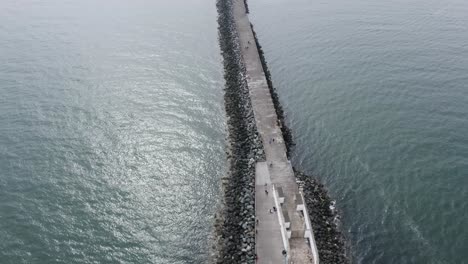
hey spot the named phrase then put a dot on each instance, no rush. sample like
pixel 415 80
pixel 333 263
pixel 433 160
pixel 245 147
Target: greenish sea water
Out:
pixel 111 130
pixel 376 94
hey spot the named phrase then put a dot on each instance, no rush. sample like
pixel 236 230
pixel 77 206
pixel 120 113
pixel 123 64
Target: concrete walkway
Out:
pixel 270 240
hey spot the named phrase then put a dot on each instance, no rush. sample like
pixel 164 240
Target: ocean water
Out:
pixel 376 95
pixel 111 130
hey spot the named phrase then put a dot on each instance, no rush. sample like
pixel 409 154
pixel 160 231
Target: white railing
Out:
pixel 281 221
pixel 309 233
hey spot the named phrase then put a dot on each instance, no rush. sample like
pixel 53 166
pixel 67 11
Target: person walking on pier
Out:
pixel 266 192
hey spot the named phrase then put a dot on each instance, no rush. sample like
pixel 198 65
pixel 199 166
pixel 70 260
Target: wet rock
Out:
pixel 330 240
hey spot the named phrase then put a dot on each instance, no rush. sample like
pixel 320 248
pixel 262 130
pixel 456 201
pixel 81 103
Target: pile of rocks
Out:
pixel 235 223
pixel 330 241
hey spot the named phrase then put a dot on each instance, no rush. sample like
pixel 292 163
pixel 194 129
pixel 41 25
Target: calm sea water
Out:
pixel 111 130
pixel 112 124
pixel 376 94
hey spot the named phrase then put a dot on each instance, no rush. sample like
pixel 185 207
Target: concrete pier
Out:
pixel 289 227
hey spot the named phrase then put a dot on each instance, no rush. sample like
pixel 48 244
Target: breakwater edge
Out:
pixel 234 238
pixel 234 232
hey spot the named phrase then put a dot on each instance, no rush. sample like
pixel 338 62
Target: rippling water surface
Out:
pixel 111 130
pixel 376 94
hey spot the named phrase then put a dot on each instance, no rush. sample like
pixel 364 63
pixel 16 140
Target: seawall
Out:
pixel 235 222
pixel 235 238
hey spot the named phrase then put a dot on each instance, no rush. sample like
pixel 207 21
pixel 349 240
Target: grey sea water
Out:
pixel 376 94
pixel 112 124
pixel 111 130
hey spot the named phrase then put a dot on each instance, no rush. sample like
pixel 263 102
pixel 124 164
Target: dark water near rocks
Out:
pixel 376 94
pixel 111 130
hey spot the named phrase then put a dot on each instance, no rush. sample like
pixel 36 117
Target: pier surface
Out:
pixel 288 227
pixel 268 239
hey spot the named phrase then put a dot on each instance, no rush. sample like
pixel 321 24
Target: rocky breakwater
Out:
pixel 287 134
pixel 235 221
pixel 234 234
pixel 330 240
